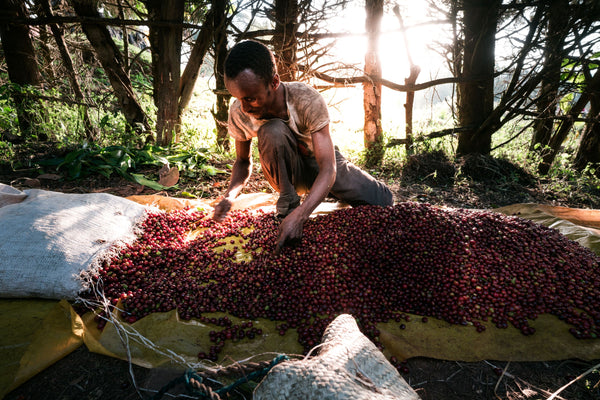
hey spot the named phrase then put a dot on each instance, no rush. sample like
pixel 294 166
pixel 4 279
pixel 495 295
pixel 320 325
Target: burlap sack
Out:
pixel 349 366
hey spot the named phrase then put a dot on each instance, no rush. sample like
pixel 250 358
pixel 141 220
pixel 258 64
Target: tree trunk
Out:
pixel 125 36
pixel 476 96
pixel 409 106
pixel 553 56
pixel 411 80
pixel 91 133
pixel 220 42
pixel 20 61
pixel 373 132
pixel 284 41
pixel 109 56
pixel 589 147
pixel 593 86
pixel 192 68
pixel 45 54
pixel 165 42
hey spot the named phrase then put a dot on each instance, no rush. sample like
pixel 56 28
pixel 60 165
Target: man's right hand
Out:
pixel 222 209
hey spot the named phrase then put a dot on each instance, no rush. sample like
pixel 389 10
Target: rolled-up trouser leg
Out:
pixel 280 162
pixel 356 187
pixel 289 173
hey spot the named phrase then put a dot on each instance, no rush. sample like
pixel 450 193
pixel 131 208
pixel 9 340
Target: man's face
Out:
pixel 256 97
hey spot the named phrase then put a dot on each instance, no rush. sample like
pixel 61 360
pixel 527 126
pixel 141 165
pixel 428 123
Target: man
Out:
pixel 291 122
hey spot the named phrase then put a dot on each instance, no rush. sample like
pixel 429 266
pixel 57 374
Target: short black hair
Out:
pixel 251 55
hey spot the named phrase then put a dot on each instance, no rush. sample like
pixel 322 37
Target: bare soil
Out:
pixel 476 182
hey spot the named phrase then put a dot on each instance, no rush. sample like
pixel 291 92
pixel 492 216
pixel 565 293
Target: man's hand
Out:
pixel 222 209
pixel 290 230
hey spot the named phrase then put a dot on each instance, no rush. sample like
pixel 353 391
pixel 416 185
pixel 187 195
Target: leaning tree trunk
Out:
pixel 20 60
pixel 373 132
pixel 109 56
pixel 553 57
pixel 192 68
pixel 589 147
pixel 285 44
pixel 91 132
pixel 220 46
pixel 592 86
pixel 476 94
pixel 165 41
pixel 45 54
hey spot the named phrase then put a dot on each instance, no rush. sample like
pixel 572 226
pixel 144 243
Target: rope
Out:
pixel 193 381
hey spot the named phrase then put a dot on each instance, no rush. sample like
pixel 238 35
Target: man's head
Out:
pixel 251 77
pixel 251 55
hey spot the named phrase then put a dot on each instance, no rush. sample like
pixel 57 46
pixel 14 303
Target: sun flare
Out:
pixel 394 46
pixel 418 39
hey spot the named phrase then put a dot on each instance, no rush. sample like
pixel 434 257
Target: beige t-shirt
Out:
pixel 307 114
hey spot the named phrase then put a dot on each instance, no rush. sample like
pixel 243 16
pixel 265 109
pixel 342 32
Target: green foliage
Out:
pixel 142 83
pixel 63 122
pixel 6 151
pixel 8 113
pixel 122 160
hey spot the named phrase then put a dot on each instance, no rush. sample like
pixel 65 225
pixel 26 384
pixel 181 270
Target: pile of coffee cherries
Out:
pixel 378 264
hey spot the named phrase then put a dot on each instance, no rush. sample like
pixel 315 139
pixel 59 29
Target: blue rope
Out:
pixel 190 375
pixel 254 376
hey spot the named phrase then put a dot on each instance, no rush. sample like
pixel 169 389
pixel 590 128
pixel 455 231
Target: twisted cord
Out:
pixel 194 381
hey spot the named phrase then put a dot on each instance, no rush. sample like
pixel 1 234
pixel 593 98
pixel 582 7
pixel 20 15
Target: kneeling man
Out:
pixel 291 122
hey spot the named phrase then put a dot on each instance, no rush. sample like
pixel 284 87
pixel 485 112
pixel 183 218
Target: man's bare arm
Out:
pixel 240 172
pixel 291 227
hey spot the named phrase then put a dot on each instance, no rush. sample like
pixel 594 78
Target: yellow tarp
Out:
pixel 37 333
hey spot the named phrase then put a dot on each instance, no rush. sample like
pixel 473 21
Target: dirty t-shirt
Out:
pixel 307 114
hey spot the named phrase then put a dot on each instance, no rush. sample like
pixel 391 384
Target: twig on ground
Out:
pixel 592 369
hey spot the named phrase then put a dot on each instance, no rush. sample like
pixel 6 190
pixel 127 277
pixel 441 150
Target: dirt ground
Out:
pixel 474 183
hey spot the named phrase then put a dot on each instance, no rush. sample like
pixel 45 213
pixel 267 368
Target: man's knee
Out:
pixel 274 132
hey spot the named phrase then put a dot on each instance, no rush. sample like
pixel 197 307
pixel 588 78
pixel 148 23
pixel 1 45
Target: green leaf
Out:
pixel 104 121
pixel 51 162
pixel 178 157
pixel 212 171
pixel 75 155
pixel 142 180
pixel 74 170
pixel 104 170
pixel 188 195
pixel 127 162
pixel 143 155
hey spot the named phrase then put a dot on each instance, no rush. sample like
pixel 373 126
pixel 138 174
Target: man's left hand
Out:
pixel 290 230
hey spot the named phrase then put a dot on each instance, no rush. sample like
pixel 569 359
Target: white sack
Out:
pixel 49 238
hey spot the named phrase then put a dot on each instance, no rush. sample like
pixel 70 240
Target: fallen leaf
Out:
pixel 164 170
pixel 169 178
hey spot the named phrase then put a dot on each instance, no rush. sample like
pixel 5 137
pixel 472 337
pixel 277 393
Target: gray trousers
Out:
pixel 289 173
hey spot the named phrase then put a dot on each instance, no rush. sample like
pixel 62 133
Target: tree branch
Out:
pixel 57 19
pixel 389 84
pixel 433 135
